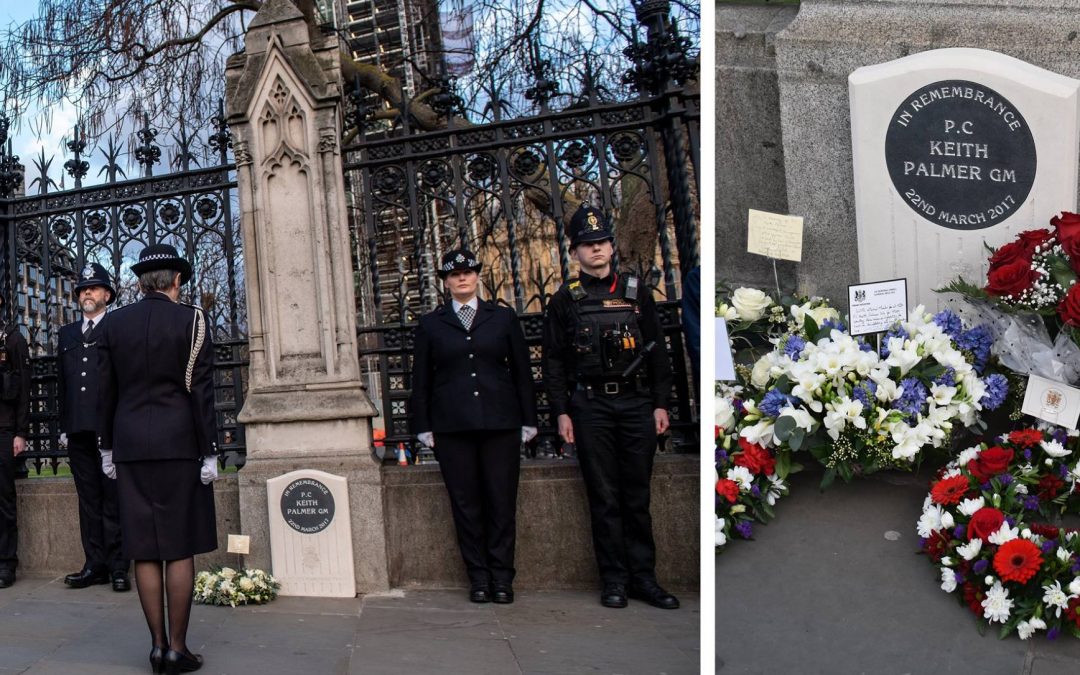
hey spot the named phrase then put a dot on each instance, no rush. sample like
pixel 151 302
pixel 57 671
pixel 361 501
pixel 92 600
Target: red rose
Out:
pixel 1012 278
pixel 984 523
pixel 1067 226
pixel 990 463
pixel 1069 307
pixel 1025 438
pixel 950 490
pixel 728 489
pixel 973 597
pixel 1011 252
pixel 755 458
pixel 1033 238
pixel 1048 488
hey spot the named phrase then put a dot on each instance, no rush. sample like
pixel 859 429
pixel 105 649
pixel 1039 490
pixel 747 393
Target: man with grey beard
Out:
pixel 80 412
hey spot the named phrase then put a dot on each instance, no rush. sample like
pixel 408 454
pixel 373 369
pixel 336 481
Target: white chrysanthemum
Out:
pixel 1055 449
pixel 966 456
pixel 742 476
pixel 949 473
pixel 1025 630
pixel 1004 534
pixel 721 538
pixel 1074 587
pixel 1053 596
pixel 1021 489
pixel 971 549
pixel 948 580
pixel 997 606
pixel 930 521
pixel 968 507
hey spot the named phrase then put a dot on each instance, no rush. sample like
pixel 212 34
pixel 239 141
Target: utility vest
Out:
pixel 606 333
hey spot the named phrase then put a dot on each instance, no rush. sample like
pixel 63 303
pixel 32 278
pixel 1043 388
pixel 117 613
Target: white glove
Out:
pixel 63 440
pixel 426 438
pixel 107 466
pixel 527 434
pixel 208 473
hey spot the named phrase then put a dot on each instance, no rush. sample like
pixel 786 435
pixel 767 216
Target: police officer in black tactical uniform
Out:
pixel 80 413
pixel 608 379
pixel 14 429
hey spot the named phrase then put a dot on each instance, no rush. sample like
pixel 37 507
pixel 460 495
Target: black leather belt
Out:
pixel 608 387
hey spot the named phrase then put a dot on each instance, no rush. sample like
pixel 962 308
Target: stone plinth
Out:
pixel 305 407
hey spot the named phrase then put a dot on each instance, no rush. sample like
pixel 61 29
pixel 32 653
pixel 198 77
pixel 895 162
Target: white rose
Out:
pixel 822 314
pixel 759 376
pixel 725 413
pixel 750 303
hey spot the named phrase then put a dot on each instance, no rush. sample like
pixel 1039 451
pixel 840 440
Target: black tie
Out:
pixel 89 329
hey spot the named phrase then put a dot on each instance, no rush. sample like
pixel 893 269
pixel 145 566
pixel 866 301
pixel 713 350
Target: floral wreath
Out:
pixel 747 482
pixel 981 528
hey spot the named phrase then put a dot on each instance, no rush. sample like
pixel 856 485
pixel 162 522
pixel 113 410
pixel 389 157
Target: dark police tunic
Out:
pixel 473 389
pixel 614 427
pixel 14 421
pixel 157 429
pixel 80 419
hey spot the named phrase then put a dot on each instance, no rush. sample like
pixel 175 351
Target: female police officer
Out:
pixel 473 403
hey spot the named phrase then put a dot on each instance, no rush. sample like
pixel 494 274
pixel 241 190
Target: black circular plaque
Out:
pixel 307 506
pixel 960 155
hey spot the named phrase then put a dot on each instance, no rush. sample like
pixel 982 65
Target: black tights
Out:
pixel 177 586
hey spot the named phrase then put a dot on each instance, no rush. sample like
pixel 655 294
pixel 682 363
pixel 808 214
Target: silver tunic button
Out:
pixel 476 393
pixel 84 359
pixel 83 373
pixel 82 388
pixel 474 374
pixel 471 356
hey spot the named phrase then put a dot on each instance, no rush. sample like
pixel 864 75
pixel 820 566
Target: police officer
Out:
pixel 608 381
pixel 80 412
pixel 14 429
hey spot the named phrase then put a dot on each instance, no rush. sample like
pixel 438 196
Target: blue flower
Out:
pixel 864 392
pixel 1031 503
pixel 997 388
pixel 1005 478
pixel 744 529
pixel 774 402
pixel 794 347
pixel 913 400
pixel 958 531
pixel 949 322
pixel 831 324
pixel 1049 545
pixel 980 565
pixel 895 332
pixel 946 379
pixel 978 341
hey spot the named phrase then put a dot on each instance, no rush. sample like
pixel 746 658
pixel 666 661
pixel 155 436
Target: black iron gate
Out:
pixel 49 236
pixel 505 188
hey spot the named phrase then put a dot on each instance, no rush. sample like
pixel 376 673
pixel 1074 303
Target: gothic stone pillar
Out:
pixel 305 407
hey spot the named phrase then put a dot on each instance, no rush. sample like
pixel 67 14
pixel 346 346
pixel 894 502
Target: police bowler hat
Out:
pixel 162 257
pixel 92 275
pixel 589 224
pixel 458 259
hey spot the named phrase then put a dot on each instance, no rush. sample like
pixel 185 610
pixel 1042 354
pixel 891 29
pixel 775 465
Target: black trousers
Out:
pixel 9 525
pixel 99 523
pixel 615 438
pixel 480 469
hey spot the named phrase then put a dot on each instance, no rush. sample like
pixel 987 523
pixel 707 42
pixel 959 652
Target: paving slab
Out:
pixel 47 628
pixel 835 585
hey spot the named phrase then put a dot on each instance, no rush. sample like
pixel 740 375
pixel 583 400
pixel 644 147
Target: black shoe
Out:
pixel 502 594
pixel 86 578
pixel 654 595
pixel 480 594
pixel 7 579
pixel 175 662
pixel 120 582
pixel 157 659
pixel 613 595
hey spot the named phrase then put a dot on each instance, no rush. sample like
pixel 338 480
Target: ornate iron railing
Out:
pixel 50 236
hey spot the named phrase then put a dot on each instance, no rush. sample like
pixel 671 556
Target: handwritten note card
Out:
pixel 1052 401
pixel 725 364
pixel 874 307
pixel 774 235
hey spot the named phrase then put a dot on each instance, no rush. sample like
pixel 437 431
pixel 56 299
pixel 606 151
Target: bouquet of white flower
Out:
pixel 227 586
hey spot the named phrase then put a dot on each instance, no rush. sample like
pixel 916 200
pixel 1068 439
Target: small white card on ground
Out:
pixel 775 235
pixel 1052 401
pixel 725 363
pixel 875 307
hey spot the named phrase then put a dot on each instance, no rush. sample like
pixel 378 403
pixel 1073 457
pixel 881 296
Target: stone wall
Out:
pixel 749 142
pixel 554 545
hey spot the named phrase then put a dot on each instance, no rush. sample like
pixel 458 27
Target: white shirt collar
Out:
pixel 471 303
pixel 97 320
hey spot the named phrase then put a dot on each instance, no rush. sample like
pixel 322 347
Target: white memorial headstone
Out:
pixel 311 534
pixel 954 149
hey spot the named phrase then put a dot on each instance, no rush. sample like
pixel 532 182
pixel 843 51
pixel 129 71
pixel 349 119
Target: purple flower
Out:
pixel 755 491
pixel 1052 633
pixel 774 402
pixel 1049 545
pixel 1005 479
pixel 958 532
pixel 949 322
pixel 864 392
pixel 997 388
pixel 1027 454
pixel 1075 569
pixel 1011 521
pixel 1031 502
pixel 721 456
pixel 959 577
pixel 913 400
pixel 831 324
pixel 794 346
pixel 897 332
pixel 980 565
pixel 947 379
pixel 978 342
pixel 985 486
pixel 744 529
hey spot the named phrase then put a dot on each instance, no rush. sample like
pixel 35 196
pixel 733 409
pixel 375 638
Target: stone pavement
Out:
pixel 828 588
pixel 46 627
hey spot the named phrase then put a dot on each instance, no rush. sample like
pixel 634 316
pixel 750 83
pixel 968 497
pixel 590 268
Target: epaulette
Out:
pixel 576 291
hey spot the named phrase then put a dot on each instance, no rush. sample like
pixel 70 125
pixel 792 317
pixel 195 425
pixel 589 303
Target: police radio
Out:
pixel 618 343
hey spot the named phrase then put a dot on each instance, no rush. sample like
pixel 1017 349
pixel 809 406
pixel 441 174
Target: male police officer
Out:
pixel 14 429
pixel 608 380
pixel 80 413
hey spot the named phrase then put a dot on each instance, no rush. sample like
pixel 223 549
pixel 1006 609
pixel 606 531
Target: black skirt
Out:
pixel 166 513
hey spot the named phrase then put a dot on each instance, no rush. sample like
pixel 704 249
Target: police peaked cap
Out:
pixel 162 257
pixel 458 259
pixel 589 224
pixel 92 275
